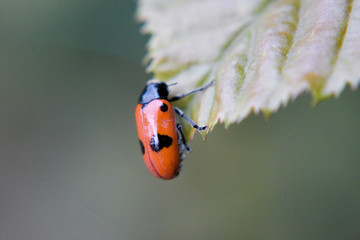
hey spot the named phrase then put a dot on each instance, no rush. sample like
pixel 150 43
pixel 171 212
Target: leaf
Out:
pixel 261 53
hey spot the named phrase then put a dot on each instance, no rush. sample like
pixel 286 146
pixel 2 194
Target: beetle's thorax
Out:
pixel 154 91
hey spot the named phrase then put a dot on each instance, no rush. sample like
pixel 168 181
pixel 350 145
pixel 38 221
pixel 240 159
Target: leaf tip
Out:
pixel 319 97
pixel 267 113
pixel 203 135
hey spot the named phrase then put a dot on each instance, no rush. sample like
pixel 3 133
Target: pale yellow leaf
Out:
pixel 262 54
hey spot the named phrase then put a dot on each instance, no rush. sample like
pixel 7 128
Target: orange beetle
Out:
pixel 162 141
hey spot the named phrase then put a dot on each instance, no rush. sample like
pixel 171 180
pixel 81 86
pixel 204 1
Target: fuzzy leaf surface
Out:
pixel 262 53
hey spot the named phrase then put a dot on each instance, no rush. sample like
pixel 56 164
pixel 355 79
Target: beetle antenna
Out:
pixel 172 84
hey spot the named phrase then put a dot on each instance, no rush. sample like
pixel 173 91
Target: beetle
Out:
pixel 161 138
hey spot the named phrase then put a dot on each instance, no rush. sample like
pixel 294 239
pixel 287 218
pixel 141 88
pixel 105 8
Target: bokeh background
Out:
pixel 70 165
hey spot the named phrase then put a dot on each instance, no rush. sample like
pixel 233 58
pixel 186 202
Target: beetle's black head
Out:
pixel 152 91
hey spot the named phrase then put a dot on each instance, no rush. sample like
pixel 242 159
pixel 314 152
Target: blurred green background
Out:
pixel 70 164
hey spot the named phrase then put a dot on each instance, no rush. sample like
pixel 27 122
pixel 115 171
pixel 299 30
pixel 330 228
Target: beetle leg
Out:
pixel 182 137
pixel 175 98
pixel 182 146
pixel 189 120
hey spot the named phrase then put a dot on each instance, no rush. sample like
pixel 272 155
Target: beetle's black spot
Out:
pixel 142 147
pixel 164 107
pixel 159 142
pixel 162 90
